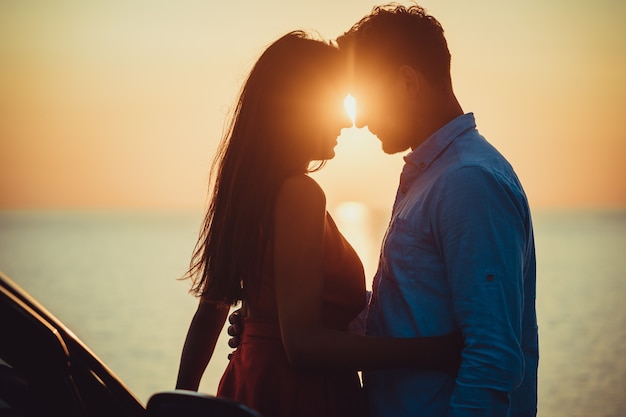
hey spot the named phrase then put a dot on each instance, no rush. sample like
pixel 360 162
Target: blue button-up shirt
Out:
pixel 458 255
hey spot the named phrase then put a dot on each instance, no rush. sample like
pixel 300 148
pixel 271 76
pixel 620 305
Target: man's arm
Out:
pixel 235 320
pixel 481 234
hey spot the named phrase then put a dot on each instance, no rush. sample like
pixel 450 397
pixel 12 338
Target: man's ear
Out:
pixel 412 80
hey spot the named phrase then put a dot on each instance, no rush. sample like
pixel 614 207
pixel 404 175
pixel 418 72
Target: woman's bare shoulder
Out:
pixel 302 188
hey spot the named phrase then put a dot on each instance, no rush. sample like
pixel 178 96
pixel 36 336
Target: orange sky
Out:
pixel 121 103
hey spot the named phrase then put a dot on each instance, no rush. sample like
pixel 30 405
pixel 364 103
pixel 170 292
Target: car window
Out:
pixel 14 399
pixel 34 366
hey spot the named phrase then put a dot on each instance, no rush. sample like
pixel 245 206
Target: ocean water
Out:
pixel 111 276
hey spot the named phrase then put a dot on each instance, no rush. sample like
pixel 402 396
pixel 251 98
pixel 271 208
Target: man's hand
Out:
pixel 235 329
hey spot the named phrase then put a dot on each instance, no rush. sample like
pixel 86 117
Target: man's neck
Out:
pixel 440 112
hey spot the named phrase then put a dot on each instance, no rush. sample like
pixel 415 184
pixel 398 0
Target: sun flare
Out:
pixel 350 105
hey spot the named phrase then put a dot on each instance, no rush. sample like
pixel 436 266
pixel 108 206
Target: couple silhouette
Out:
pixel 451 328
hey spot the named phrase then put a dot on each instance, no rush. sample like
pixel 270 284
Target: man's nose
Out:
pixel 346 121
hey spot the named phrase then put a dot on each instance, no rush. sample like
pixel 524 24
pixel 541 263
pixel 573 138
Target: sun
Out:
pixel 350 104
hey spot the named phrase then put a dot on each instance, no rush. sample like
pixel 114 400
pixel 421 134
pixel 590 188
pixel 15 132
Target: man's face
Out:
pixel 382 106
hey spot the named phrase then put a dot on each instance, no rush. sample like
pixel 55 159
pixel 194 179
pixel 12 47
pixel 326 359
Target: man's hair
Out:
pixel 393 35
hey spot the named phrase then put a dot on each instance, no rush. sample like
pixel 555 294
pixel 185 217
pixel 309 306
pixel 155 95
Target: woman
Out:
pixel 268 240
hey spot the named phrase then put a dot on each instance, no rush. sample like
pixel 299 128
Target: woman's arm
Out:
pixel 205 328
pixel 300 214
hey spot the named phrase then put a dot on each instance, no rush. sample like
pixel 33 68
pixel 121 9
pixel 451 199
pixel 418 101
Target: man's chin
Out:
pixel 391 149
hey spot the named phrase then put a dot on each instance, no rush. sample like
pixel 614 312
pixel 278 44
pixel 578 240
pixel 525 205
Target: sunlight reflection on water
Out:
pixel 355 222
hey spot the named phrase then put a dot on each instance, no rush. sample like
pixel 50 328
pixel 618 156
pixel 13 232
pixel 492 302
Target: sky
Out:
pixel 121 103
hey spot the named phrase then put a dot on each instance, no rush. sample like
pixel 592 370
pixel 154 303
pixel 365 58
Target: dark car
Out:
pixel 45 370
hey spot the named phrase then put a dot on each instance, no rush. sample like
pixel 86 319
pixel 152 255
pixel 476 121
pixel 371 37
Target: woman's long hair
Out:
pixel 261 147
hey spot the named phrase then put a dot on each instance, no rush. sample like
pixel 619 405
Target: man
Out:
pixel 459 250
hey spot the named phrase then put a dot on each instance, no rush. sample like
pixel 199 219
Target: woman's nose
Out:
pixel 360 120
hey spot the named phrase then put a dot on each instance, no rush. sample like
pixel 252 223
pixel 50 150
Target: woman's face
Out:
pixel 324 118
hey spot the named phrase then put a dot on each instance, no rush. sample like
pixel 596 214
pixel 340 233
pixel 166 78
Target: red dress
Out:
pixel 259 374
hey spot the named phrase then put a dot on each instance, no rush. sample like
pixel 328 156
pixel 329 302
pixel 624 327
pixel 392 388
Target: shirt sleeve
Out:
pixel 479 229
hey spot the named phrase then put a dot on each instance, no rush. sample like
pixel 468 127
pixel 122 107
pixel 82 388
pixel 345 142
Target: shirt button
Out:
pixel 403 190
pixel 490 278
pixel 422 165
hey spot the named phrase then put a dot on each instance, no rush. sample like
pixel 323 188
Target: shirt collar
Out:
pixel 427 152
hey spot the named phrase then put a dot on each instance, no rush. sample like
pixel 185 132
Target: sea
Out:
pixel 112 276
